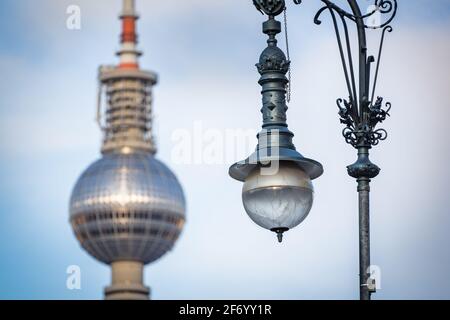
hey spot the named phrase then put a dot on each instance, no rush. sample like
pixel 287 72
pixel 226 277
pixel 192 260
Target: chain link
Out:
pixel 289 85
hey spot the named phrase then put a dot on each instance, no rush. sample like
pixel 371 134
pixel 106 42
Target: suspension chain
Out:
pixel 289 85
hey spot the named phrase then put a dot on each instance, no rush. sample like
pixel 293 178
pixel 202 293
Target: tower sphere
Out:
pixel 127 207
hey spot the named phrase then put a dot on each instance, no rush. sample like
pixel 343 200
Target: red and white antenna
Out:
pixel 128 53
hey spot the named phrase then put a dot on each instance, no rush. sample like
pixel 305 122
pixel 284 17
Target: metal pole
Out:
pixel 364 228
pixel 364 237
pixel 364 170
pixel 363 181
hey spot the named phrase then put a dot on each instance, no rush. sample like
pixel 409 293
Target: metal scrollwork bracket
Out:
pixel 361 113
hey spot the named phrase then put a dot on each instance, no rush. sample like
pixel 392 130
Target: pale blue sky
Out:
pixel 204 52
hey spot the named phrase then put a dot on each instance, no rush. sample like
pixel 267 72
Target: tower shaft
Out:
pixel 127 282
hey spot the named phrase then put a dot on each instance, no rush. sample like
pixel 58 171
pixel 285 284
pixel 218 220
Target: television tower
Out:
pixel 127 209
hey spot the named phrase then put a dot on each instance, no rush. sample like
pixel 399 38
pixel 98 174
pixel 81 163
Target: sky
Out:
pixel 204 52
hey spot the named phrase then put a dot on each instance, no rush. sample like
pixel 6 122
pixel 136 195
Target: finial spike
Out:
pixel 280 232
pixel 280 237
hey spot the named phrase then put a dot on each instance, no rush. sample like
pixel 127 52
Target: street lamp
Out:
pixel 278 192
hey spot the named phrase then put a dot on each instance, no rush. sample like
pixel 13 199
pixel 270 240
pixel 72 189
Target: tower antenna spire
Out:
pixel 128 52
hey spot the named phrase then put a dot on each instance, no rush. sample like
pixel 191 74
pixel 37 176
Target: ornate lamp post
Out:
pixel 277 192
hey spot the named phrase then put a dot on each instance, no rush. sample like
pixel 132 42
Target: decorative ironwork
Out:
pixel 270 7
pixel 358 133
pixel 361 113
pixel 273 59
pixel 386 7
pixel 383 34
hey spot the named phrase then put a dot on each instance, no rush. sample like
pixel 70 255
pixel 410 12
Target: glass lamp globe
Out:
pixel 278 200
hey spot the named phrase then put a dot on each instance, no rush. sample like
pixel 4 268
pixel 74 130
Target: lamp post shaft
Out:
pixel 364 237
pixel 363 182
pixel 363 170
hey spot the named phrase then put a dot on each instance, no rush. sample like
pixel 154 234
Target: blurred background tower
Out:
pixel 127 209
